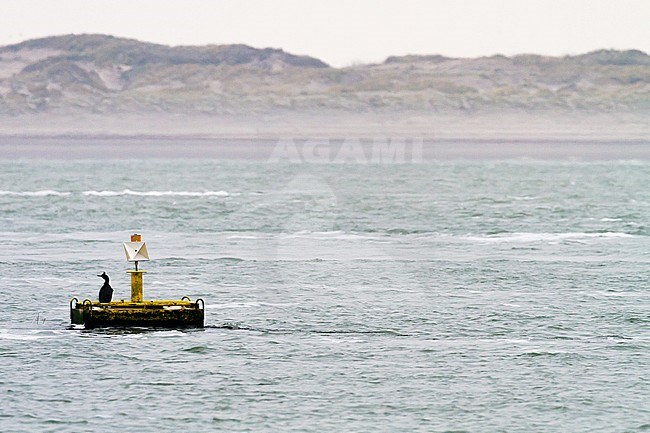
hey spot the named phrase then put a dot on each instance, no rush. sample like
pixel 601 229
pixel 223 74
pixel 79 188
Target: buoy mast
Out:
pixel 136 251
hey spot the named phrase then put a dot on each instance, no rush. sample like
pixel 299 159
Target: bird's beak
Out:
pixel 99 275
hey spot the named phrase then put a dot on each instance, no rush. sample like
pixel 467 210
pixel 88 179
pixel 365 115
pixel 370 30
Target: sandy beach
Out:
pixel 329 137
pixel 392 150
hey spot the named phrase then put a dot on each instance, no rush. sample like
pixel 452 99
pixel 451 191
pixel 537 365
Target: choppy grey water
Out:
pixel 457 296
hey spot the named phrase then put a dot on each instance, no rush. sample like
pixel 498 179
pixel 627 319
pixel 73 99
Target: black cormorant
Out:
pixel 106 292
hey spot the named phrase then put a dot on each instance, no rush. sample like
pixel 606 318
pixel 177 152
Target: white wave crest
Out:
pixel 157 193
pixel 545 237
pixel 334 235
pixel 43 193
pixel 29 335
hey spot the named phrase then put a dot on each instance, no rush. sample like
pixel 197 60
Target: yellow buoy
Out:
pixel 138 312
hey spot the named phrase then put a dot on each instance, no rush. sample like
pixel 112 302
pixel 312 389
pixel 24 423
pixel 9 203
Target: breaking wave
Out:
pixel 44 193
pixel 157 193
pixel 109 193
pixel 545 237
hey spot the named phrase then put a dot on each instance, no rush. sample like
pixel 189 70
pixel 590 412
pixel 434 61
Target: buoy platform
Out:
pixel 157 314
pixel 137 312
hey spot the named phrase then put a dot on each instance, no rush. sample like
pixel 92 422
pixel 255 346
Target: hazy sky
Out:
pixel 341 32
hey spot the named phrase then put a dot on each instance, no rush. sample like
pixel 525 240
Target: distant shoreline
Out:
pixel 158 146
pixel 507 135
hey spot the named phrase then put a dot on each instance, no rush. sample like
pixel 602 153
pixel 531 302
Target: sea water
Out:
pixel 440 296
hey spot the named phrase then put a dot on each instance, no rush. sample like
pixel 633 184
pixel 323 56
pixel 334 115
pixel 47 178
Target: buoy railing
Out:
pixel 73 305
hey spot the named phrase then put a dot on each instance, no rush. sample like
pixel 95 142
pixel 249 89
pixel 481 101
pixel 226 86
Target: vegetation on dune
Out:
pixel 104 74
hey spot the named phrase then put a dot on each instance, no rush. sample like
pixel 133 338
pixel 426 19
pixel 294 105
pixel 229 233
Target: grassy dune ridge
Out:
pixel 86 80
